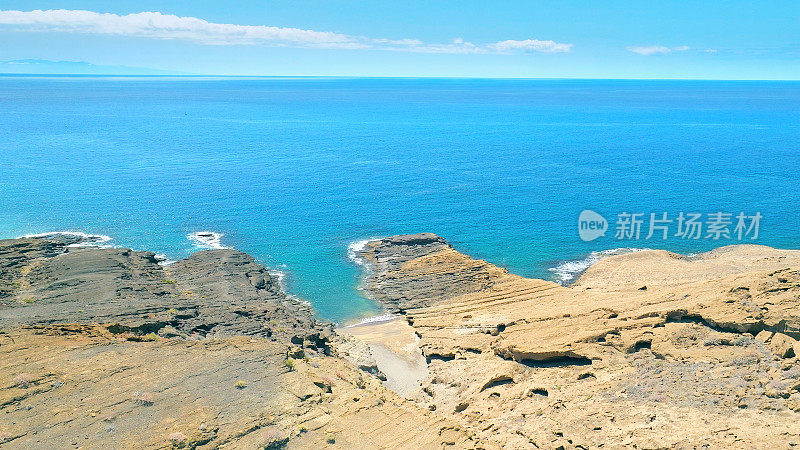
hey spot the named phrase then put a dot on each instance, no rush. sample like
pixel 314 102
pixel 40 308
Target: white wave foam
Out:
pixel 85 239
pixel 355 248
pixel 280 276
pixel 208 240
pixel 375 319
pixel 569 271
pixel 298 299
pixel 354 253
pixel 163 260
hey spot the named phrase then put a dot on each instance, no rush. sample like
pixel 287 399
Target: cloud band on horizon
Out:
pixel 155 25
pixel 651 50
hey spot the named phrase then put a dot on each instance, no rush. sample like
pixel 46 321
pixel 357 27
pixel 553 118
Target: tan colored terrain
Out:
pixel 82 387
pixel 393 349
pixel 104 348
pixel 648 350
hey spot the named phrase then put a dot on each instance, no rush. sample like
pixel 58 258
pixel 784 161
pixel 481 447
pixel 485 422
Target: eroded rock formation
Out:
pixel 105 348
pixel 649 349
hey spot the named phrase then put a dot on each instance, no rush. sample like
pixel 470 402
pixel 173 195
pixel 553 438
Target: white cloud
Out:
pixel 155 25
pixel 650 50
pixel 166 26
pixel 531 45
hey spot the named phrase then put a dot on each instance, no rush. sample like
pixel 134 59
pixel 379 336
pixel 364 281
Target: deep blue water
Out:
pixel 294 170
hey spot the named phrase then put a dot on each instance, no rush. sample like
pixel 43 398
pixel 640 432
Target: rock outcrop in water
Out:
pixel 418 269
pixel 213 293
pixel 646 350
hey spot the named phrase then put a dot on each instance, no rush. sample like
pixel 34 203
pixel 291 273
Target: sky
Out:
pixel 431 38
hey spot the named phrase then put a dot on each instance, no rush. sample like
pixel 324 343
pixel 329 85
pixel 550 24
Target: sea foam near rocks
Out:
pixel 354 251
pixel 163 260
pixel 569 271
pixel 355 248
pixel 207 240
pixel 81 239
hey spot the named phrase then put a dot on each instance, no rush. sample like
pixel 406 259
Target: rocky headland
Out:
pixel 106 348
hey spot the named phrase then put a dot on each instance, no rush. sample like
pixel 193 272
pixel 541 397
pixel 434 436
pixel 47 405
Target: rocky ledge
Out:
pixel 105 348
pixel 213 293
pixel 646 350
pixel 417 269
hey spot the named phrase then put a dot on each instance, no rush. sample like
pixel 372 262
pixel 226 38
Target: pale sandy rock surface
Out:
pixel 88 389
pixel 104 348
pixel 392 348
pixel 605 362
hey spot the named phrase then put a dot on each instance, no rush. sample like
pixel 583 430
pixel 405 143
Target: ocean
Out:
pixel 298 171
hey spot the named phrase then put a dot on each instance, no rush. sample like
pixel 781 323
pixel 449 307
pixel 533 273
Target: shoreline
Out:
pixel 565 272
pixel 394 350
pixel 640 335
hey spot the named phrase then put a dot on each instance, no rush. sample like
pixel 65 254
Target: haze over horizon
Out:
pixel 671 40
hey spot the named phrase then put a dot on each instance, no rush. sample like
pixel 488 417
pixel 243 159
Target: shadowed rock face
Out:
pixel 211 293
pixel 426 263
pixel 707 354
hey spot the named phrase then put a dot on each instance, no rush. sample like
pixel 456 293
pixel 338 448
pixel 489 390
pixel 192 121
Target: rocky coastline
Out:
pixel 105 347
pixel 645 350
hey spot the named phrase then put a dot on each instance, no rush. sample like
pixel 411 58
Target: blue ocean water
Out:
pixel 294 170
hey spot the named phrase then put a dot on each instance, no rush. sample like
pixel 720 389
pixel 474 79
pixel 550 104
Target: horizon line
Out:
pixel 123 75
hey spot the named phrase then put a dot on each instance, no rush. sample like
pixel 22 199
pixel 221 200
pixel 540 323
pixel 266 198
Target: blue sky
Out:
pixel 539 39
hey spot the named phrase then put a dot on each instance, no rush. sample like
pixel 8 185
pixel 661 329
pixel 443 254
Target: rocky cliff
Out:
pixel 211 293
pixel 105 348
pixel 646 350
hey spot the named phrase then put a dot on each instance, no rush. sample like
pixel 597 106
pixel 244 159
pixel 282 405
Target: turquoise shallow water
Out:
pixel 295 170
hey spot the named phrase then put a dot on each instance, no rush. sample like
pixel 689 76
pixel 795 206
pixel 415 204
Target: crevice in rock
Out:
pixel 145 328
pixel 498 381
pixel 538 391
pixel 438 357
pixel 683 316
pixel 203 329
pixel 641 345
pixel 559 361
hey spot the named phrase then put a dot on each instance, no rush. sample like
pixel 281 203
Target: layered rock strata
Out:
pixel 105 348
pixel 646 350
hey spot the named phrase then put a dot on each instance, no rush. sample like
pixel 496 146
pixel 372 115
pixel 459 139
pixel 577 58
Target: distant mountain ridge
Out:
pixel 44 66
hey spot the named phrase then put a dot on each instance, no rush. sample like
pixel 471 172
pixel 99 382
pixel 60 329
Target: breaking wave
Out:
pixel 355 248
pixel 207 240
pixel 82 239
pixel 569 271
